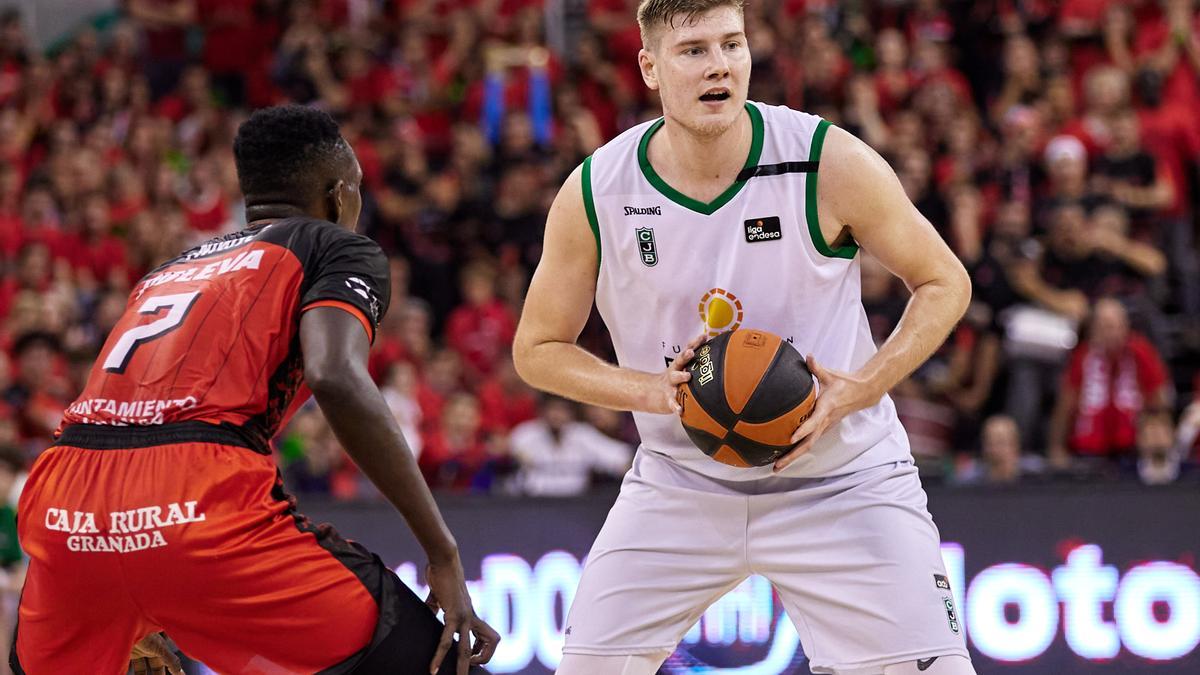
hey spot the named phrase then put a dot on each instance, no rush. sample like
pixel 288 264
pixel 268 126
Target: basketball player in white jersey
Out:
pixel 728 213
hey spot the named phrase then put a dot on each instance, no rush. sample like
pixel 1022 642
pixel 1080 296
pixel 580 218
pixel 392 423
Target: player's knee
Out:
pixel 935 665
pixel 623 664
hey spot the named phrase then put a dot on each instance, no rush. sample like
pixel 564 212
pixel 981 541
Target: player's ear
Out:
pixel 336 201
pixel 646 64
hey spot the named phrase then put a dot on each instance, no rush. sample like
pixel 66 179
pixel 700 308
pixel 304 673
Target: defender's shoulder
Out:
pixel 306 237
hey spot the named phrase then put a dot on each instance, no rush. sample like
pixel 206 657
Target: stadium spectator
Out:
pixel 1106 94
pixel 164 25
pixel 505 400
pixel 458 455
pixel 942 403
pixel 1162 39
pixel 880 300
pixel 611 423
pixel 1002 249
pixel 10 209
pixel 1023 83
pixel 93 252
pixel 37 392
pixel 1159 460
pixel 1187 438
pixel 203 201
pixel 319 465
pixel 1000 126
pixel 1132 177
pixel 893 79
pixel 557 454
pixel 1066 163
pixel 1090 259
pixel 1112 378
pixel 12 559
pixel 915 172
pixel 481 330
pixel 1040 317
pixel 12 480
pixel 441 378
pixel 399 390
pixel 1018 170
pixel 1001 461
pixel 973 365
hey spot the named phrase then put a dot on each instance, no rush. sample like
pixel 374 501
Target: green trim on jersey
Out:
pixel 756 145
pixel 846 251
pixel 590 205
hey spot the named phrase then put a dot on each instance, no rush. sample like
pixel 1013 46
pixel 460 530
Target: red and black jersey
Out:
pixel 213 335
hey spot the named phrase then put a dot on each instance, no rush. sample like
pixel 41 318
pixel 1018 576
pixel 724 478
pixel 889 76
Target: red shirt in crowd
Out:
pixel 1084 20
pixel 165 43
pixel 480 334
pixel 891 89
pixel 1152 33
pixel 502 410
pixel 231 39
pixel 447 466
pixel 387 351
pixel 431 404
pixel 370 87
pixel 12 233
pixel 10 80
pixel 1112 392
pixel 100 256
pixel 124 212
pixel 207 213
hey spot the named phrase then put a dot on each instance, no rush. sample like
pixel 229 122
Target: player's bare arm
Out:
pixel 335 368
pixel 859 196
pixel 557 306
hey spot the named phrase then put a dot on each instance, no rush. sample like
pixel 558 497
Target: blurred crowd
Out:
pixel 1052 144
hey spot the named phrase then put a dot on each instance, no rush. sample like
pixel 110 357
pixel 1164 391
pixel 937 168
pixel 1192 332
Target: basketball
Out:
pixel 749 392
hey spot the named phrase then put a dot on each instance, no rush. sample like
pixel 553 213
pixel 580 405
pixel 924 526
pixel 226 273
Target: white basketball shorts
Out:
pixel 855 560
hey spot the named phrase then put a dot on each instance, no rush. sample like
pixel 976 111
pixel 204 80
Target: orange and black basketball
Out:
pixel 749 392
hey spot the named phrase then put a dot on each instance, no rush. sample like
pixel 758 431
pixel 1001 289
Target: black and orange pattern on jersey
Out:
pixel 212 336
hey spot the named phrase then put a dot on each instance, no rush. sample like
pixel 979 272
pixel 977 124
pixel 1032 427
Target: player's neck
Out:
pixel 700 166
pixel 259 214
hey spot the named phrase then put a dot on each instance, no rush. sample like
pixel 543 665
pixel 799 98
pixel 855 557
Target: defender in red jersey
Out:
pixel 160 508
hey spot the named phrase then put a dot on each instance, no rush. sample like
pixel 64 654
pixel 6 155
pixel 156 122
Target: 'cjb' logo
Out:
pixel 646 247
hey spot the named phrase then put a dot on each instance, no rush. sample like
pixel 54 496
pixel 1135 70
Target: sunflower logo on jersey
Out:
pixel 720 311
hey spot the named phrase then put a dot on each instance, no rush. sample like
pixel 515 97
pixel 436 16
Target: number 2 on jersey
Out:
pixel 179 305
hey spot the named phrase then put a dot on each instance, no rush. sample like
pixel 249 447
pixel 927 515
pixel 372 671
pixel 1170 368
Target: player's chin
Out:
pixel 711 122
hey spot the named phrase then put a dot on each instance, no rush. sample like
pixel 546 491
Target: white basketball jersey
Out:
pixel 754 257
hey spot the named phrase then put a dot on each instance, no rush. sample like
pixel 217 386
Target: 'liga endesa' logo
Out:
pixel 720 311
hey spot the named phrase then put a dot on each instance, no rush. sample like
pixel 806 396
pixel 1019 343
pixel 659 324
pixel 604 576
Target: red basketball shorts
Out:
pixel 197 539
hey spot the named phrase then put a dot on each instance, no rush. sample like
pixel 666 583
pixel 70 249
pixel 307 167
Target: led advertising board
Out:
pixel 1046 579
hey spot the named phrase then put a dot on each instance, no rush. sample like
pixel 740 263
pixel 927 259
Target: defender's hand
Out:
pixel 154 646
pixel 448 592
pixel 484 645
pixel 662 394
pixel 838 395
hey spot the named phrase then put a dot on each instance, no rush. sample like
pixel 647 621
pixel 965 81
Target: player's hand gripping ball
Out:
pixel 749 392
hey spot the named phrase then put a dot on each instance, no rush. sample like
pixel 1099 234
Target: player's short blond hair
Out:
pixel 654 13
